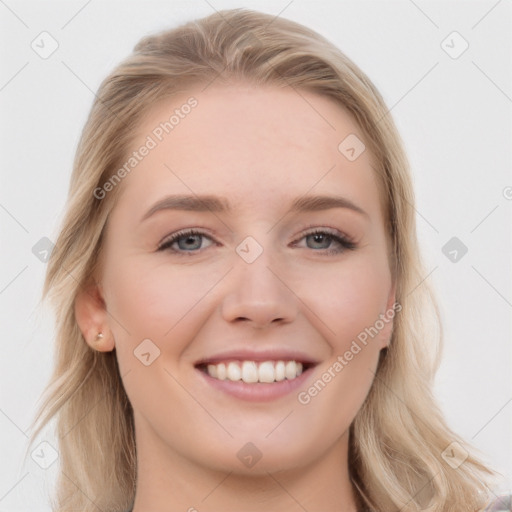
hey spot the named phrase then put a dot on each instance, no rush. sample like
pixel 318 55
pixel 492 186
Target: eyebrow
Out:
pixel 219 204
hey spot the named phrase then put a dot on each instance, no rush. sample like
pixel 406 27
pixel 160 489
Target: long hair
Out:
pixel 399 439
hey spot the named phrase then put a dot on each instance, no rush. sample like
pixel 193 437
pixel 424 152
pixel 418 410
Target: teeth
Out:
pixel 234 371
pixel 290 370
pixel 212 370
pixel 266 372
pixel 221 371
pixel 280 371
pixel 251 372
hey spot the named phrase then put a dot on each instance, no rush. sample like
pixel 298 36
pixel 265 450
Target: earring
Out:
pixel 99 336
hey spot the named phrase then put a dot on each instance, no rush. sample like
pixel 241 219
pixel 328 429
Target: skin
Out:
pixel 260 148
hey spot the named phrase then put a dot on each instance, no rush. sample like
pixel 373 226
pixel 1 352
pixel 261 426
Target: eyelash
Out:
pixel 342 240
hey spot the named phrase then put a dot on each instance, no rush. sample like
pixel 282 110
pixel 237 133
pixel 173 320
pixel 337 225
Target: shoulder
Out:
pixel 502 503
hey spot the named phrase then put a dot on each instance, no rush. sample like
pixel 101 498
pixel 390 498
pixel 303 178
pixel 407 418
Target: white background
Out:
pixel 453 114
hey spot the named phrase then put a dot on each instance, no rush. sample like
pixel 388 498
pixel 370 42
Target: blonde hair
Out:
pixel 399 435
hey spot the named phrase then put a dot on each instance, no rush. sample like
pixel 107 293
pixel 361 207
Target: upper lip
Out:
pixel 274 354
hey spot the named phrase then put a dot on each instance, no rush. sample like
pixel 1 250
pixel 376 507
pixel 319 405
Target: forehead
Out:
pixel 249 142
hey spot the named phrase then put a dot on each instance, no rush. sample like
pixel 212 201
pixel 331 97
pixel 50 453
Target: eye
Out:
pixel 324 237
pixel 191 239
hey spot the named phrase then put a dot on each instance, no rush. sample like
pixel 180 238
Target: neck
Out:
pixel 168 482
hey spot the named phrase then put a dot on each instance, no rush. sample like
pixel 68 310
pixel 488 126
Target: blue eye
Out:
pixel 321 235
pixel 189 241
pixel 190 238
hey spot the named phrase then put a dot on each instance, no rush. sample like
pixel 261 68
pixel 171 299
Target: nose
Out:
pixel 258 293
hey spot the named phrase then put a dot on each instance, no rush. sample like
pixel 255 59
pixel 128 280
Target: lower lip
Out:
pixel 258 391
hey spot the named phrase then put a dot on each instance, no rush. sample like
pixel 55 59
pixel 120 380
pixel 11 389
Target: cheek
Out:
pixel 349 305
pixel 153 301
pixel 351 299
pixel 139 299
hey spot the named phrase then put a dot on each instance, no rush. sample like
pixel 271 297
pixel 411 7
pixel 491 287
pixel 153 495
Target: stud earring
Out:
pixel 99 336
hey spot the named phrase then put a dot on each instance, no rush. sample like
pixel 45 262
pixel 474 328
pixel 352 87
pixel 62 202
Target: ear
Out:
pixel 391 309
pixel 92 317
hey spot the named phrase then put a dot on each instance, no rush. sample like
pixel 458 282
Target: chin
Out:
pixel 249 460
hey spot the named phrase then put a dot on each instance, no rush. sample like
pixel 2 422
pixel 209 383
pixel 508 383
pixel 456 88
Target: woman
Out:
pixel 255 370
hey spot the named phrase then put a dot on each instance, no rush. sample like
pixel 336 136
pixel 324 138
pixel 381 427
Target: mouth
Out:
pixel 253 372
pixel 261 380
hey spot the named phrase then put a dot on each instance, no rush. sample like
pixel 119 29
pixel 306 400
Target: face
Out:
pixel 257 281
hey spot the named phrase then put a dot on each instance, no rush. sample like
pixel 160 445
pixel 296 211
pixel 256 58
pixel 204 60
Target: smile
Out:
pixel 253 371
pixel 256 375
